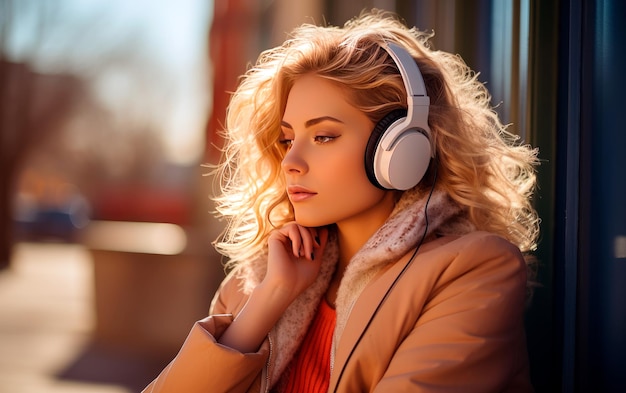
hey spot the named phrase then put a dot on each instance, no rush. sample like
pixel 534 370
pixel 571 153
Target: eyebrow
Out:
pixel 312 122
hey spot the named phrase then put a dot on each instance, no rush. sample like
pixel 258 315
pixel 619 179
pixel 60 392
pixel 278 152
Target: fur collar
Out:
pixel 402 231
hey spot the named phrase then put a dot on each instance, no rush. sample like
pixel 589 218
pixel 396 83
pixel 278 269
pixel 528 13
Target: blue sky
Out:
pixel 170 36
pixel 169 28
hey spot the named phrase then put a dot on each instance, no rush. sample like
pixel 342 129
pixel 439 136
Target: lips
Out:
pixel 299 193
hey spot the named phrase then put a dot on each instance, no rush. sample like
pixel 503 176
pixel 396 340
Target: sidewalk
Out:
pixel 46 319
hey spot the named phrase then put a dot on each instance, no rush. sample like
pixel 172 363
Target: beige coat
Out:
pixel 452 323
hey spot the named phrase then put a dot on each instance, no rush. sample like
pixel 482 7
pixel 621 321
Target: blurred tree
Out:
pixel 94 110
pixel 32 107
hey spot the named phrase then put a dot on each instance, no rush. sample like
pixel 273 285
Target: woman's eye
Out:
pixel 324 138
pixel 286 143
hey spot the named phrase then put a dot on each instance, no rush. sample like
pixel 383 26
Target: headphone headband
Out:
pixel 398 152
pixel 418 101
pixel 411 75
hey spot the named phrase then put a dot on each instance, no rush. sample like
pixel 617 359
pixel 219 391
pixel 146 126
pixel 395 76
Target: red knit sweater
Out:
pixel 310 369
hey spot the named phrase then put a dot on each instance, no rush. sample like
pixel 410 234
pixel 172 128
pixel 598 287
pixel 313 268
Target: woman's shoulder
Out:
pixel 475 241
pixel 477 249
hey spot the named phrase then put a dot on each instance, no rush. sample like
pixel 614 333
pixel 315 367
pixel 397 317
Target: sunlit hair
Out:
pixel 480 164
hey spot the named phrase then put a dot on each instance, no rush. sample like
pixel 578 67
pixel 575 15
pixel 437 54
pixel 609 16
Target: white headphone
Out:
pixel 398 152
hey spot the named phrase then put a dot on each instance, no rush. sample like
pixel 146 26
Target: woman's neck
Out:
pixel 354 233
pixel 351 239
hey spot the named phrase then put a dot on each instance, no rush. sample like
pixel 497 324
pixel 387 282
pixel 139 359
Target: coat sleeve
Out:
pixel 204 365
pixel 469 336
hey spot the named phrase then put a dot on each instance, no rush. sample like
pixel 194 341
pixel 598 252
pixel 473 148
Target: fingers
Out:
pixel 298 240
pixel 304 242
pixel 320 235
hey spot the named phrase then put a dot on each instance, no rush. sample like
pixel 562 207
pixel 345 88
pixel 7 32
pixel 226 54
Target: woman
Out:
pixel 354 267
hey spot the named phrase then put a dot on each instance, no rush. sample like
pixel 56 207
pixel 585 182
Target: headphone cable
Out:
pixel 395 281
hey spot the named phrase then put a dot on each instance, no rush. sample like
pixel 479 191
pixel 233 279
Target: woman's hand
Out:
pixel 294 259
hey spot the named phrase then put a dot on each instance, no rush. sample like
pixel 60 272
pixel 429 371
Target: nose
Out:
pixel 294 161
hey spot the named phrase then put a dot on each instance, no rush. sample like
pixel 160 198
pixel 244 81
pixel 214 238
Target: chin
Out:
pixel 310 222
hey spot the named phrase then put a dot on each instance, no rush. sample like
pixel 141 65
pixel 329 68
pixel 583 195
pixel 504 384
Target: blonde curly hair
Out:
pixel 479 164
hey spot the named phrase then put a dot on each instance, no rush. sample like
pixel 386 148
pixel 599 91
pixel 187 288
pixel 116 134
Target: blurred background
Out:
pixel 110 109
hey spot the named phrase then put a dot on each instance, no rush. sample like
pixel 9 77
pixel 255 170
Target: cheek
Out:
pixel 343 170
pixel 344 191
pixel 351 165
pixel 350 173
pixel 352 179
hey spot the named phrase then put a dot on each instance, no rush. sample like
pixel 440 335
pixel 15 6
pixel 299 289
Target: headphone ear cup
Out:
pixel 372 144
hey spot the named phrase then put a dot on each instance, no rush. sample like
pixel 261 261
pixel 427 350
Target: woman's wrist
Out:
pixel 250 327
pixel 272 296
